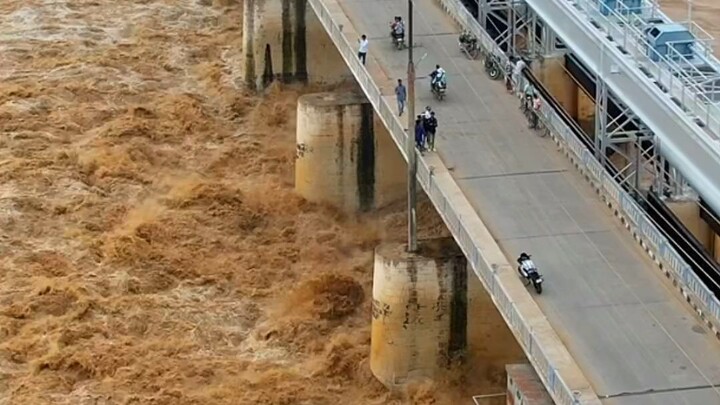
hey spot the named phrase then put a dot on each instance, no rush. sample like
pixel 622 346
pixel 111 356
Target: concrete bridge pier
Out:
pixel 419 311
pixel 429 309
pixel 345 156
pixel 284 40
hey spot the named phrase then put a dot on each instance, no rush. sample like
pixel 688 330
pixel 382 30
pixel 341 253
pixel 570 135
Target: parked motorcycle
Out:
pixel 493 66
pixel 530 273
pixel 468 45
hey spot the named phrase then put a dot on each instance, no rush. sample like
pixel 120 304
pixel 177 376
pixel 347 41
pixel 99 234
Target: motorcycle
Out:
pixel 533 277
pixel 397 41
pixel 492 66
pixel 536 280
pixel 439 90
pixel 469 45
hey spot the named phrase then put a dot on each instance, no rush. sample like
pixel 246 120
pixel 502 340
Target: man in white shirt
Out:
pixel 437 76
pixel 427 112
pixel 362 51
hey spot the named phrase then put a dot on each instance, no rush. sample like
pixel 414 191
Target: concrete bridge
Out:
pixel 610 328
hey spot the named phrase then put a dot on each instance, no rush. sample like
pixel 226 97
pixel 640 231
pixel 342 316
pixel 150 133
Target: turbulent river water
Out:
pixel 152 248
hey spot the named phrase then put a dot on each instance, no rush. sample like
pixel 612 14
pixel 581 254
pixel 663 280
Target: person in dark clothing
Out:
pixel 430 125
pixel 419 133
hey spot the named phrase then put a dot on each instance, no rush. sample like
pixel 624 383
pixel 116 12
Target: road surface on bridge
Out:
pixel 630 332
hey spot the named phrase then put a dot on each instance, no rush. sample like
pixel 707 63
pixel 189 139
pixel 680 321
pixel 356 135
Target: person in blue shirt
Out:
pixel 401 94
pixel 419 133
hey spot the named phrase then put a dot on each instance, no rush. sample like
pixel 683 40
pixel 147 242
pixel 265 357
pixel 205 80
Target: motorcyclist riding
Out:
pixel 397 28
pixel 527 267
pixel 529 272
pixel 438 78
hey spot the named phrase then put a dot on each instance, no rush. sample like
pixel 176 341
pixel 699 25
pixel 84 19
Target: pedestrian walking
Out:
pixel 425 118
pixel 518 76
pixel 528 97
pixel 401 94
pixel 363 49
pixel 431 125
pixel 509 66
pixel 419 133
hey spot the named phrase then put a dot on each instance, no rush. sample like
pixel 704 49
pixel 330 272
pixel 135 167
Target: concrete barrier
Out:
pixel 560 374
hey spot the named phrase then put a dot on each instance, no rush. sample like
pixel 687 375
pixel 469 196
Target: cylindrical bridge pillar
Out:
pixel 345 157
pixel 284 40
pixel 419 311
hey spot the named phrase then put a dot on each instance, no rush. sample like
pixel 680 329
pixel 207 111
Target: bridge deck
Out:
pixel 626 328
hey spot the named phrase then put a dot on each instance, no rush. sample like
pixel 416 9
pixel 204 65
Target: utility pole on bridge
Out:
pixel 411 152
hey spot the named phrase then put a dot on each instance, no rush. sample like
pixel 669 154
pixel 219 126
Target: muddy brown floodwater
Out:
pixel 152 248
pixel 151 245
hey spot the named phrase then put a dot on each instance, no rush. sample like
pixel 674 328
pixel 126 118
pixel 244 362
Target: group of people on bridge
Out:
pixel 425 124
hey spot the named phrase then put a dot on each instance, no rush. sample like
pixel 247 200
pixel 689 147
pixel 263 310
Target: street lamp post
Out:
pixel 412 156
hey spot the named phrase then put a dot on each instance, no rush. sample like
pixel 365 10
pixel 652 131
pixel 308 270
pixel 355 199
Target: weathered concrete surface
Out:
pixel 345 157
pixel 283 40
pixel 419 313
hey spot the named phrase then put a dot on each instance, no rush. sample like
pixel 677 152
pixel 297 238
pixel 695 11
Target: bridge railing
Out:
pixel 624 206
pixel 534 333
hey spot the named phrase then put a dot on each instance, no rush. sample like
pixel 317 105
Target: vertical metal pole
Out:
pixel 638 166
pixel 412 157
pixel 510 29
pixel 600 110
pixel 659 167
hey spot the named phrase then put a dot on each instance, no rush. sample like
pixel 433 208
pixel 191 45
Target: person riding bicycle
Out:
pixel 527 267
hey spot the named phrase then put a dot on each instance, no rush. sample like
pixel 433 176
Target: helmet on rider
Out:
pixel 524 256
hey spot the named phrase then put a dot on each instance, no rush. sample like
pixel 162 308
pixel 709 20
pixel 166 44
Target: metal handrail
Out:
pixel 668 70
